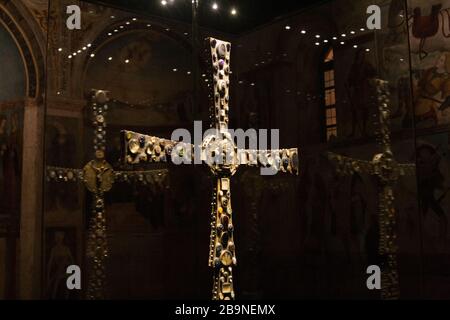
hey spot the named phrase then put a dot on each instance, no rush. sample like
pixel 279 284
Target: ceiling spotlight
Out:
pixel 113 17
pixel 288 27
pixel 127 23
pixel 342 42
pixel 127 61
pixel 149 25
pixel 110 34
pixel 334 38
pixel 233 12
pixel 362 29
pixel 74 54
pixel 164 2
pixel 174 69
pixel 110 58
pixel 188 72
pixel 355 46
pixel 367 50
pixel 352 32
pixel 89 45
pixel 317 44
pixel 60 49
pixel 134 19
pixel 215 6
pixel 70 57
pixel 318 36
pixel 325 41
pixel 303 32
pixel 84 48
pixel 92 55
pixel 343 35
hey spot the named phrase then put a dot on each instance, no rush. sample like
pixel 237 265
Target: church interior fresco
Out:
pixel 315 234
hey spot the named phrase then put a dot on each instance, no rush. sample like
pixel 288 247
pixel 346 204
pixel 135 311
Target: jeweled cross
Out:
pixel 140 148
pixel 99 177
pixel 387 171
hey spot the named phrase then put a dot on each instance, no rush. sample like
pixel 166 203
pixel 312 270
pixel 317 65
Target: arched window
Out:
pixel 329 91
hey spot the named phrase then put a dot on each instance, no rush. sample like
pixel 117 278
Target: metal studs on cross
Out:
pixel 140 148
pixel 98 177
pixel 387 171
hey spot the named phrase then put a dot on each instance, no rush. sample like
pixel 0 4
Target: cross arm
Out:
pixel 60 174
pixel 139 148
pixel 407 169
pixel 349 166
pixel 150 177
pixel 284 160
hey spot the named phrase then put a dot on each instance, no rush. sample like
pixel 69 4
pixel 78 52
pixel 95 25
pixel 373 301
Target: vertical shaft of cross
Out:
pixel 97 249
pixel 388 244
pixel 222 255
pixel 384 115
pixel 388 176
pixel 97 246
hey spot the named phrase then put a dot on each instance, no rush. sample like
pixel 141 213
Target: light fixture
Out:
pixel 60 49
pixel 74 54
pixel 334 38
pixel 367 50
pixel 352 32
pixel 110 34
pixel 317 44
pixel 127 61
pixel 89 45
pixel 134 19
pixel 110 58
pixel 215 6
pixel 127 23
pixel 92 55
pixel 318 36
pixel 174 69
pixel 113 17
pixel 325 41
pixel 164 2
pixel 84 48
pixel 343 35
pixel 355 46
pixel 362 29
pixel 303 32
pixel 233 12
pixel 342 42
pixel 287 27
pixel 70 57
pixel 188 72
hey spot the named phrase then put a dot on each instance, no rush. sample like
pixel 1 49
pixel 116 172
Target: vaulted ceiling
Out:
pixel 249 13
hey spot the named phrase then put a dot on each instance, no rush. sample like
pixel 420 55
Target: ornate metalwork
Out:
pixel 99 177
pixel 387 171
pixel 140 148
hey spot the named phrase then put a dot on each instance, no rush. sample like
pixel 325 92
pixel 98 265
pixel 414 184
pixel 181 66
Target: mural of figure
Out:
pixel 432 94
pixel 431 180
pixel 359 89
pixel 60 258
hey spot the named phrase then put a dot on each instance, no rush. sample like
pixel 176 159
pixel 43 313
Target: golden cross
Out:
pixel 98 177
pixel 387 171
pixel 140 148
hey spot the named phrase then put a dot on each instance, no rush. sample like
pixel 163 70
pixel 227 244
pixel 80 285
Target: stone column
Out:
pixel 31 201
